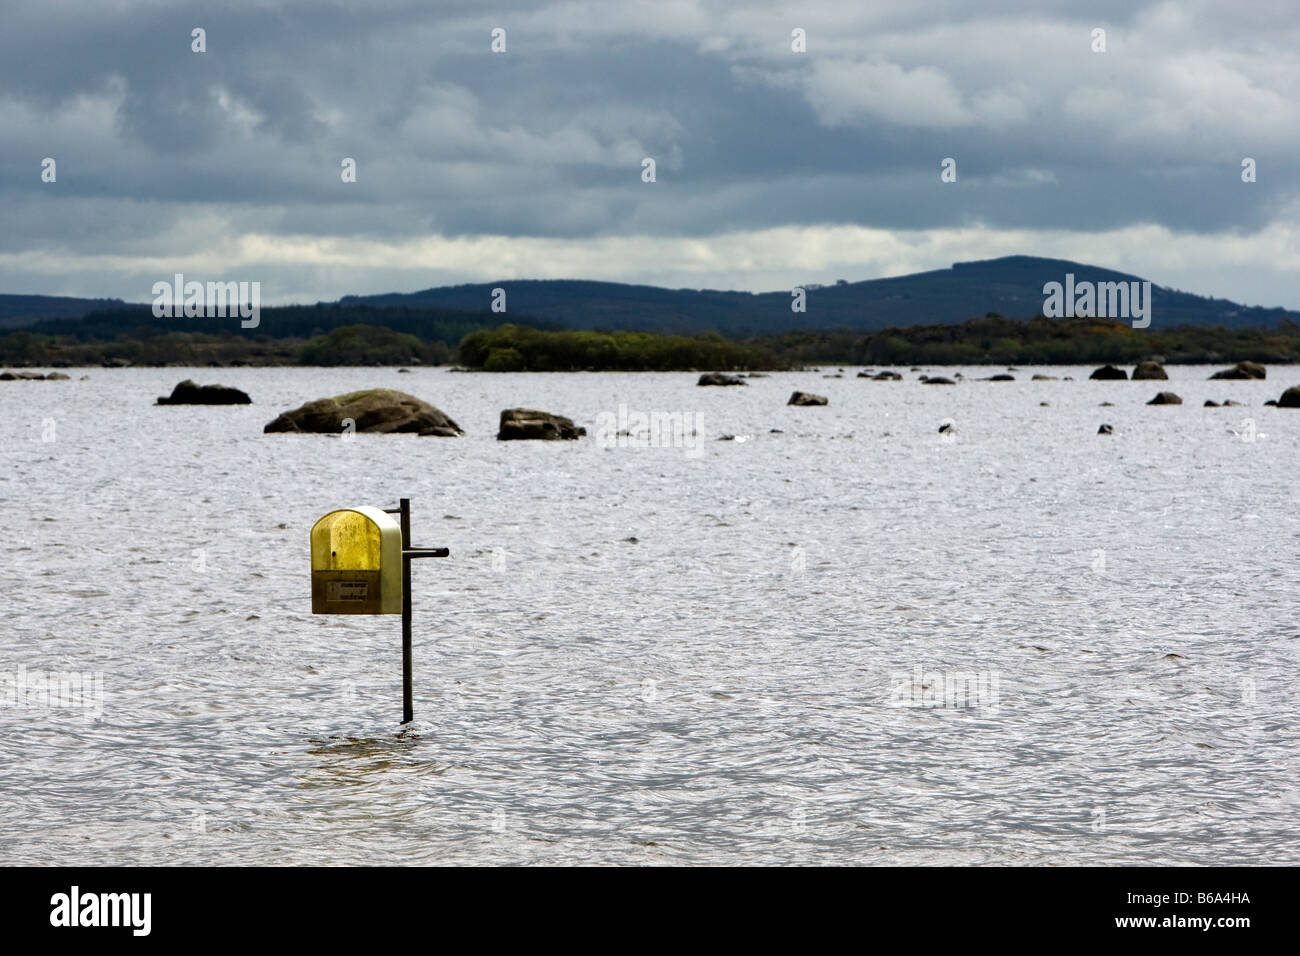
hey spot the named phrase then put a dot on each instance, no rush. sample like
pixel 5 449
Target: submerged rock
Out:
pixel 1109 373
pixel 380 410
pixel 528 423
pixel 187 393
pixel 807 398
pixel 720 378
pixel 938 380
pixel 1166 398
pixel 1149 371
pixel 1043 378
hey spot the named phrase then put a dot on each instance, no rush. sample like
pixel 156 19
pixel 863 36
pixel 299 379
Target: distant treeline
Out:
pixel 319 335
pixel 992 340
pixel 285 335
pixel 995 340
pixel 517 348
pixel 137 322
pixel 349 345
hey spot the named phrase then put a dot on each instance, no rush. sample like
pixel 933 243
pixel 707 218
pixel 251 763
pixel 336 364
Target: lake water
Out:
pixel 854 641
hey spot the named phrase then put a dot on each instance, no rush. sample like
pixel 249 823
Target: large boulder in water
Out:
pixel 382 410
pixel 1166 398
pixel 528 423
pixel 1290 398
pixel 1109 373
pixel 1242 370
pixel 1150 371
pixel 187 393
pixel 720 378
pixel 806 398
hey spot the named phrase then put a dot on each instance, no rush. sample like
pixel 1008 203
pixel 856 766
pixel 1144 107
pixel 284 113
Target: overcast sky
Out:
pixel 774 167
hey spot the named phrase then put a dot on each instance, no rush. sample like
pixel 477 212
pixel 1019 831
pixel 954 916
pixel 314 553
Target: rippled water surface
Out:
pixel 660 654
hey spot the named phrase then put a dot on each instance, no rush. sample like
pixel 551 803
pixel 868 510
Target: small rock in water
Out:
pixel 1242 370
pixel 381 410
pixel 807 398
pixel 1166 398
pixel 1149 370
pixel 1105 430
pixel 188 393
pixel 1109 373
pixel 1209 403
pixel 522 424
pixel 1290 398
pixel 720 378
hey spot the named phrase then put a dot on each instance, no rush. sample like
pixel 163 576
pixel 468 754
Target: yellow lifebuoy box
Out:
pixel 356 563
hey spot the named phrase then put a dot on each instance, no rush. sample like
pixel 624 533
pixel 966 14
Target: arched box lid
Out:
pixel 362 539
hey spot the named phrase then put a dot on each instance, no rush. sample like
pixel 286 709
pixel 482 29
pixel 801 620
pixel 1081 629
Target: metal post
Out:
pixel 408 708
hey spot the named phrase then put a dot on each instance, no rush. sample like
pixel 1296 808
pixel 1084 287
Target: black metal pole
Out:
pixel 408 708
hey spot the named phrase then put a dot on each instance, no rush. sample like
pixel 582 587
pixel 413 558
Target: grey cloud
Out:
pixel 547 140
